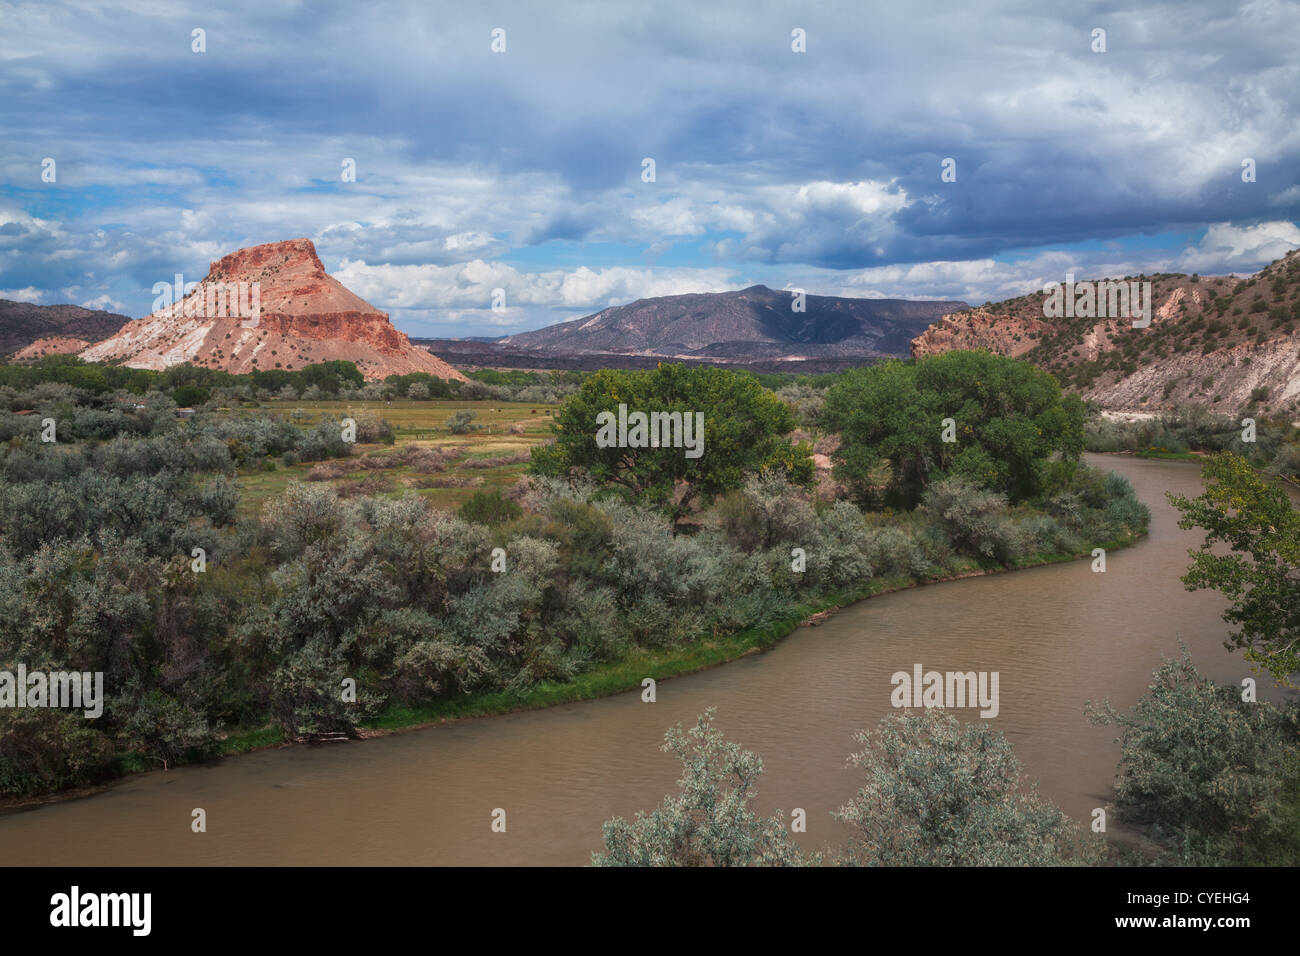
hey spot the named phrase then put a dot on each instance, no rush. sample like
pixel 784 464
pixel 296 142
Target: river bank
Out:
pixel 1059 634
pixel 604 680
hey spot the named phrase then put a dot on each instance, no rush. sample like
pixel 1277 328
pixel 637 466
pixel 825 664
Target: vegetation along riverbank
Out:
pixel 247 575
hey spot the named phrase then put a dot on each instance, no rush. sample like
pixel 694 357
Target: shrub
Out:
pixel 765 511
pixel 941 792
pixel 1206 774
pixel 975 521
pixel 44 750
pixel 489 508
pixel 1043 533
pixel 304 515
pixel 840 557
pixel 710 821
pixel 1286 461
pixel 461 422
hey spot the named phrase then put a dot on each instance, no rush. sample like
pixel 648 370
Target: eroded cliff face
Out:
pixel 298 316
pixel 1219 341
pixel 1225 379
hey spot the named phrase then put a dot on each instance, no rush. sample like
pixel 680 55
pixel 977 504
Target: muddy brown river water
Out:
pixel 1057 635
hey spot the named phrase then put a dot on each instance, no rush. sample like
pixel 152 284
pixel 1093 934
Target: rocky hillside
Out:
pixel 754 323
pixel 305 316
pixel 51 345
pixel 22 323
pixel 1217 341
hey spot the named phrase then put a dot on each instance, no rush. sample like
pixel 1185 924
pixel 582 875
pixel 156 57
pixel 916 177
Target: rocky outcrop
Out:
pixel 977 329
pixel 1219 341
pixel 265 307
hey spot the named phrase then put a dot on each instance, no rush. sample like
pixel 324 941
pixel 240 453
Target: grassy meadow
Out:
pixel 483 458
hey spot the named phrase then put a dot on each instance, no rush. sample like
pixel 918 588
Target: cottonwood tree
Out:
pixel 1261 574
pixel 745 429
pixel 1009 419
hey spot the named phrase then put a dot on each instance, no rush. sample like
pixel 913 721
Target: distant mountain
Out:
pixel 753 323
pixel 304 316
pixel 1217 341
pixel 22 323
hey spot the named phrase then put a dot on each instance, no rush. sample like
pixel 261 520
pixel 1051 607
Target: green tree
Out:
pixel 710 821
pixel 745 429
pixel 330 376
pixel 190 395
pixel 1261 574
pixel 943 793
pixel 1009 418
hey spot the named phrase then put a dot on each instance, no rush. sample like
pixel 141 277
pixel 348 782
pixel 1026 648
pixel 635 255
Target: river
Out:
pixel 1057 636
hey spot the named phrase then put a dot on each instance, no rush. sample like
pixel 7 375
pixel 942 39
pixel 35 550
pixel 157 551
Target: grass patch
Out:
pixel 1166 455
pixel 243 740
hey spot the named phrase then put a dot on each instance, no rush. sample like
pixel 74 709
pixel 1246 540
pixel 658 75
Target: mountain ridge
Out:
pixel 754 322
pixel 23 324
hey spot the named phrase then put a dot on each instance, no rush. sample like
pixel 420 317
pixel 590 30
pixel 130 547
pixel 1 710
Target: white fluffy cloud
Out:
pixel 469 286
pixel 105 302
pixel 1240 248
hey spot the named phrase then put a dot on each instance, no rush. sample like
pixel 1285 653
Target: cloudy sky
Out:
pixel 523 169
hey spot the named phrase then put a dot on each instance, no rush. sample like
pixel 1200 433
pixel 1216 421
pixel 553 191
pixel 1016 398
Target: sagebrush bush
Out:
pixel 767 510
pixel 840 557
pixel 975 520
pixel 1043 533
pixel 1210 777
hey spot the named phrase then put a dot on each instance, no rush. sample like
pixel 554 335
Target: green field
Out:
pixel 509 430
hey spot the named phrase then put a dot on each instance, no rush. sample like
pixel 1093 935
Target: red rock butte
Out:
pixel 306 316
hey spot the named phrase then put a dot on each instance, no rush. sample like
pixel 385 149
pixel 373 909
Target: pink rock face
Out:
pixel 50 345
pixel 977 329
pixel 306 316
